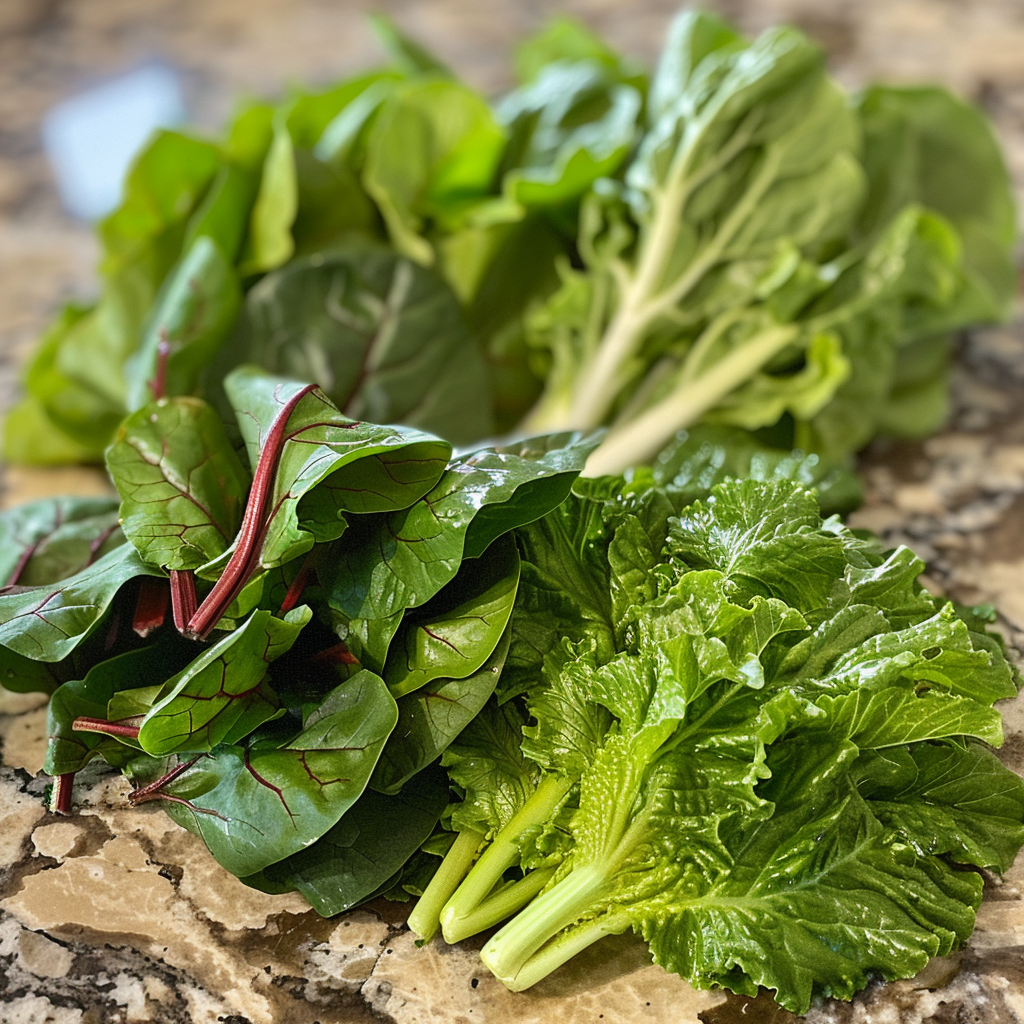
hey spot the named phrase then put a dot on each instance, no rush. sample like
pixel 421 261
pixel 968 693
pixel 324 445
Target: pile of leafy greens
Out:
pixel 276 648
pixel 745 733
pixel 731 242
pixel 668 697
pixel 337 651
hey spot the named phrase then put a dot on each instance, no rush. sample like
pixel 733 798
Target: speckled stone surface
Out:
pixel 116 915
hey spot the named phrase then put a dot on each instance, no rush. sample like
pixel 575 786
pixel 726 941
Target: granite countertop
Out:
pixel 116 914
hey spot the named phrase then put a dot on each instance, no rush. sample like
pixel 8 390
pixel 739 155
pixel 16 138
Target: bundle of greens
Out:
pixel 357 583
pixel 741 731
pixel 732 241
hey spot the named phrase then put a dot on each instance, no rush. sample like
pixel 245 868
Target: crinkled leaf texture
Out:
pixel 782 773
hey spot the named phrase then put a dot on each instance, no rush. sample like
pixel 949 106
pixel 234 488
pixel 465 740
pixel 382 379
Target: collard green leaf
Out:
pixel 329 464
pixel 431 718
pixel 257 804
pixel 452 635
pixel 367 848
pixel 47 622
pixel 401 560
pixel 48 540
pixel 384 338
pixel 202 705
pixel 182 486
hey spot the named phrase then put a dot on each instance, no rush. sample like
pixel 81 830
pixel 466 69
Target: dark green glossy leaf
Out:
pixel 452 635
pixel 329 464
pixel 51 539
pixel 222 695
pixel 366 849
pixel 48 622
pixel 402 560
pixel 432 717
pixel 255 805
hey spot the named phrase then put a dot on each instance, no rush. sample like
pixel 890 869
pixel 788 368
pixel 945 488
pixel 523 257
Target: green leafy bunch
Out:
pixel 743 732
pixel 730 244
pixel 276 640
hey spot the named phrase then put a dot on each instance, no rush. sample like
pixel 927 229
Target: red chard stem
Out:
pixel 183 598
pixel 298 585
pixel 150 791
pixel 244 561
pixel 60 799
pixel 151 606
pixel 106 728
pixel 158 385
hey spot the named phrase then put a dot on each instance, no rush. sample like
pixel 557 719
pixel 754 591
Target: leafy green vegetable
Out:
pixel 775 734
pixel 256 804
pixel 181 483
pixel 732 242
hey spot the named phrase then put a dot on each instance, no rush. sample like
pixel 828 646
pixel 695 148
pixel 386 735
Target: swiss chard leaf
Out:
pixel 51 539
pixel 452 635
pixel 368 846
pixel 329 464
pixel 254 805
pixel 432 717
pixel 182 486
pixel 225 687
pixel 47 622
pixel 388 564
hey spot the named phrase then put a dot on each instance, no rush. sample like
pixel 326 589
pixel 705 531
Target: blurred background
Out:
pixel 82 82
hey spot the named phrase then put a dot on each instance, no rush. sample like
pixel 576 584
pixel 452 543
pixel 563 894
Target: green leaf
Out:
pixel 182 486
pixel 765 537
pixel 430 719
pixel 564 39
pixel 48 540
pixel 257 804
pixel 431 152
pixel 407 54
pixel 88 697
pixel 369 845
pixel 195 312
pixel 202 705
pixel 947 799
pixel 383 337
pixel 574 123
pixel 401 560
pixel 452 635
pixel 486 762
pixel 329 464
pixel 270 240
pixel 47 622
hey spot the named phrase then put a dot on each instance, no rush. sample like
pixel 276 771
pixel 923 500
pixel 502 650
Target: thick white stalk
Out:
pixel 641 439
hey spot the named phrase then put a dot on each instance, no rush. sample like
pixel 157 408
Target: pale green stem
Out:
pixel 504 902
pixel 507 952
pixel 425 917
pixel 561 950
pixel 638 441
pixel 641 305
pixel 502 854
